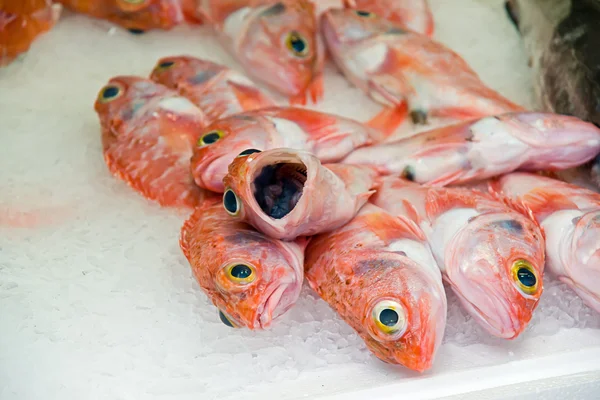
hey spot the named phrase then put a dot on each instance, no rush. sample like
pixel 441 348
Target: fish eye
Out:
pixel 247 152
pixel 364 14
pixel 241 273
pixel 210 138
pixel 231 203
pixel 226 320
pixel 163 65
pixel 525 277
pixel 296 43
pixel 389 317
pixel 110 93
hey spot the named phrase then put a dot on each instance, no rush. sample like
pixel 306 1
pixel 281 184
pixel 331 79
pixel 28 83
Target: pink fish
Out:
pixel 475 150
pixel 570 217
pixel 252 279
pixel 217 90
pixel 491 255
pixel 329 137
pixel 405 70
pixel 414 15
pixel 148 133
pixel 275 41
pixel 378 273
pixel 287 193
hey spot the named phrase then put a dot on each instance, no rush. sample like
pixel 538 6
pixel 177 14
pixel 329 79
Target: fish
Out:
pixel 406 72
pixel 217 90
pixel 561 38
pixel 414 15
pixel 21 23
pixel 286 193
pixel 570 217
pixel 490 250
pixel 379 275
pixel 327 136
pixel 251 278
pixel 148 134
pixel 276 42
pixel 137 16
pixel 494 145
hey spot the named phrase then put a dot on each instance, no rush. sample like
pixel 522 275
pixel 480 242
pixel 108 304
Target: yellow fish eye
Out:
pixel 231 203
pixel 210 137
pixel 364 14
pixel 524 276
pixel 389 317
pixel 109 93
pixel 241 273
pixel 226 320
pixel 164 65
pixel 296 43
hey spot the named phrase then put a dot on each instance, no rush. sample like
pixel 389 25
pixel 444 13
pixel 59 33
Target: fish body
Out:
pixel 21 22
pixel 252 279
pixel 570 217
pixel 136 15
pixel 327 136
pixel 148 133
pixel 414 15
pixel 275 41
pixel 491 255
pixel 287 193
pixel 475 150
pixel 216 89
pixel 378 273
pixel 405 70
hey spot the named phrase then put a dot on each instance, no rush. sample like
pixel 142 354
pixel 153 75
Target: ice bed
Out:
pixel 98 301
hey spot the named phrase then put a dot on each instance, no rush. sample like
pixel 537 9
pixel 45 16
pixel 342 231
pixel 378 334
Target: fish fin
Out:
pixel 439 201
pixel 363 198
pixel 389 119
pixel 390 228
pixel 448 178
pixel 349 4
pixel 411 212
pixel 314 92
pixel 250 98
pixel 544 200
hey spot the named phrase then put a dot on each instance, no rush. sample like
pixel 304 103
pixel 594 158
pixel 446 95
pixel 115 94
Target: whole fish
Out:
pixel 414 15
pixel 148 133
pixel 275 41
pixel 251 278
pixel 217 90
pixel 405 70
pixel 491 255
pixel 287 193
pixel 21 22
pixel 137 16
pixel 327 136
pixel 475 150
pixel 378 273
pixel 570 217
pixel 562 38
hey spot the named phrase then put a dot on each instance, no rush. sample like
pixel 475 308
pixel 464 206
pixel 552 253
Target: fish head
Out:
pixel 265 188
pixel 281 47
pixel 402 312
pixel 220 143
pixel 140 15
pixel 495 266
pixel 172 71
pixel 344 27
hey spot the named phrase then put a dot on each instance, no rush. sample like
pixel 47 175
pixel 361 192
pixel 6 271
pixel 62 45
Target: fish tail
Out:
pixel 389 119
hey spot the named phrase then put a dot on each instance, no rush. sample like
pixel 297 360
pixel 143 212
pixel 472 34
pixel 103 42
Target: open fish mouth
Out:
pixel 279 186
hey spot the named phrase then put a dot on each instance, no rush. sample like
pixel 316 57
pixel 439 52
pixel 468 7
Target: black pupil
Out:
pixel 249 151
pixel 211 138
pixel 136 31
pixel 166 64
pixel 526 277
pixel 297 43
pixel 230 202
pixel 241 271
pixel 225 320
pixel 388 317
pixel 110 92
pixel 363 13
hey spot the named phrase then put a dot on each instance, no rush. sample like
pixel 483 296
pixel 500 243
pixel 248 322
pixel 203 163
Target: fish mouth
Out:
pixel 278 186
pixel 275 305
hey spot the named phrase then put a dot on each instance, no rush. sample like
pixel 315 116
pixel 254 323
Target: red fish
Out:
pixel 378 273
pixel 217 90
pixel 327 136
pixel 405 70
pixel 252 279
pixel 475 150
pixel 148 133
pixel 287 193
pixel 21 22
pixel 275 41
pixel 414 15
